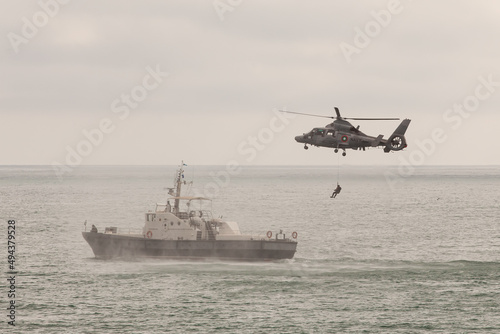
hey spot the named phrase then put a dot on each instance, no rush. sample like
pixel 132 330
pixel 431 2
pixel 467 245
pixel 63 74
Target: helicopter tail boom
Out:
pixel 397 140
pixel 377 141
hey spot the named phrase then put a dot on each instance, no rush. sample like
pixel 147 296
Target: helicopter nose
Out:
pixel 299 139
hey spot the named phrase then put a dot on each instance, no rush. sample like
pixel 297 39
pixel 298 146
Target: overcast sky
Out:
pixel 153 82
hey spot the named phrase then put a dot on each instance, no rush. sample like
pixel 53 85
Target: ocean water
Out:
pixel 413 254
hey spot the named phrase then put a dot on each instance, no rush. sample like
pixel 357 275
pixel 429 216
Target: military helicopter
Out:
pixel 342 135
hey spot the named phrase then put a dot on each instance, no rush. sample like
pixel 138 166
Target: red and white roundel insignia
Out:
pixel 344 138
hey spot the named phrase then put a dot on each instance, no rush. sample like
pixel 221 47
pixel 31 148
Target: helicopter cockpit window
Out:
pixel 318 132
pixel 331 133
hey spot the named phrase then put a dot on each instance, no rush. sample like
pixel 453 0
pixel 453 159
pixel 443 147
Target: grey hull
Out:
pixel 113 245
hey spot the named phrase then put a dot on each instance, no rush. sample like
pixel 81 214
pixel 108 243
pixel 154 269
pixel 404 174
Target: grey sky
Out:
pixel 225 78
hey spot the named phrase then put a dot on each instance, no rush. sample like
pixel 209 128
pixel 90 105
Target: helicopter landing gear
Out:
pixel 336 150
pixel 305 147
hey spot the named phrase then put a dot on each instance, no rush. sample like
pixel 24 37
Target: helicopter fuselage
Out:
pixel 328 137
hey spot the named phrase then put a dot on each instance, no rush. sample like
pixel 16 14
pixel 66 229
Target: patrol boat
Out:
pixel 187 230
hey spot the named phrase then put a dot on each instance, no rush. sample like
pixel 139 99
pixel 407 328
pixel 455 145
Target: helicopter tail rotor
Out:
pixel 397 140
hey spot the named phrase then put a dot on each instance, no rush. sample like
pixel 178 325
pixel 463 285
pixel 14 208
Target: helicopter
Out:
pixel 343 135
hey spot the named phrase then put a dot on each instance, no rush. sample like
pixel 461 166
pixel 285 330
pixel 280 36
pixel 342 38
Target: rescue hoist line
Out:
pixel 338 168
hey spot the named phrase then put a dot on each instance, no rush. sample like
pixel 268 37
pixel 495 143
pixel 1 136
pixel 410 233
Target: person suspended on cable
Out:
pixel 336 191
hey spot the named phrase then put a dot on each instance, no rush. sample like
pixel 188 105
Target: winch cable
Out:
pixel 338 168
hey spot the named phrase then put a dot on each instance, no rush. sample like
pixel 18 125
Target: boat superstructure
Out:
pixel 184 227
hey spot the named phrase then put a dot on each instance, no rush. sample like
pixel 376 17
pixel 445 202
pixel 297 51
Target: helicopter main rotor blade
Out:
pixel 372 119
pixel 337 111
pixel 340 117
pixel 300 113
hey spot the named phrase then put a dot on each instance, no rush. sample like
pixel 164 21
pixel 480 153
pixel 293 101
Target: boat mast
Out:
pixel 178 182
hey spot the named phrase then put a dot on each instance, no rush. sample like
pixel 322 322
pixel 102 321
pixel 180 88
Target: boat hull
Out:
pixel 123 246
